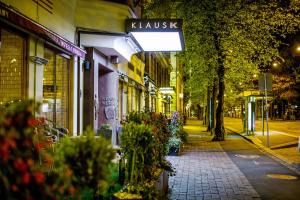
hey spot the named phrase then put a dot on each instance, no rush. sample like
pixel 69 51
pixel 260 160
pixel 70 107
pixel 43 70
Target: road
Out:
pixel 270 178
pixel 283 138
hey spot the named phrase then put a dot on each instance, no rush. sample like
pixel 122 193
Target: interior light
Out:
pixel 158 41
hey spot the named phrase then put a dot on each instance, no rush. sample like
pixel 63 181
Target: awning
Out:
pixel 27 24
pixel 120 46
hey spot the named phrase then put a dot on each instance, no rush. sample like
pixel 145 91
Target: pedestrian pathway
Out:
pixel 205 171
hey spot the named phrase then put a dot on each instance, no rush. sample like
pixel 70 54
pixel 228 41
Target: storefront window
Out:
pixel 56 88
pixel 12 76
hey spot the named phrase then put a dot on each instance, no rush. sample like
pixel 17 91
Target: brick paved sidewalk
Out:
pixel 204 171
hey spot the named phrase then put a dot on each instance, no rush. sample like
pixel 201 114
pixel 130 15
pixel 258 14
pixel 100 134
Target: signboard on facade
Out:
pixel 157 34
pixel 20 20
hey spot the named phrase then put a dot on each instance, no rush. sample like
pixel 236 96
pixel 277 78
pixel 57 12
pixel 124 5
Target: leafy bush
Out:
pixel 82 164
pixel 23 160
pixel 137 145
pixel 144 143
pixel 112 181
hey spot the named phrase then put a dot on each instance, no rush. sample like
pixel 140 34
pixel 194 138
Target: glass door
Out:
pixel 56 83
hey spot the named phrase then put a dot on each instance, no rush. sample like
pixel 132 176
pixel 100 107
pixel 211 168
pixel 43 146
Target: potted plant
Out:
pixel 144 145
pixel 105 131
pixel 178 134
pixel 174 145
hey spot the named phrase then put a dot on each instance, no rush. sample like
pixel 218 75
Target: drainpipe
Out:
pixel 78 88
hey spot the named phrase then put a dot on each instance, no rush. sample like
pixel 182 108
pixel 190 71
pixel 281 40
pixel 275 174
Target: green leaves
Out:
pixel 82 163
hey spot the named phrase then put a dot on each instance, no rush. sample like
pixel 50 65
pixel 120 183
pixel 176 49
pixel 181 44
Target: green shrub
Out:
pixel 82 164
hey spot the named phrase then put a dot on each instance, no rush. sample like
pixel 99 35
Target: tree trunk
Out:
pixel 207 117
pixel 219 130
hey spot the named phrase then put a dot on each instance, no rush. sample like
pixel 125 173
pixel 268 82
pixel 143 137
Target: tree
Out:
pixel 226 41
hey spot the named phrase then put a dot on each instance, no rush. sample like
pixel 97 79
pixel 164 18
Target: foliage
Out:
pixel 174 142
pixel 23 161
pixel 105 126
pixel 144 143
pixel 226 41
pixel 176 128
pixel 138 146
pixel 82 164
pixel 112 182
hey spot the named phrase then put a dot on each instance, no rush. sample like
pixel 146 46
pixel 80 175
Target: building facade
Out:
pixel 81 65
pixel 39 58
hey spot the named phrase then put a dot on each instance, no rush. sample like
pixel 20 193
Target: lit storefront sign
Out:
pixel 167 90
pixel 157 34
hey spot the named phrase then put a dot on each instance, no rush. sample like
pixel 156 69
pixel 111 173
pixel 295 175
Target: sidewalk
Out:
pixel 283 134
pixel 205 171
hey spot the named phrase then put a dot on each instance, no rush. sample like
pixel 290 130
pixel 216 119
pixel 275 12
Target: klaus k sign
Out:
pixel 157 34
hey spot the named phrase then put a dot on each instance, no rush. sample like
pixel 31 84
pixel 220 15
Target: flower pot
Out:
pixel 174 151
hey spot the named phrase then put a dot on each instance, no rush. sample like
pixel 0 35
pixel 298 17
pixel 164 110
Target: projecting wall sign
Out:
pixel 156 34
pixel 153 25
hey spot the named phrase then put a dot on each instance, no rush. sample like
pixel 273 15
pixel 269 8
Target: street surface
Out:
pixel 283 137
pixel 231 169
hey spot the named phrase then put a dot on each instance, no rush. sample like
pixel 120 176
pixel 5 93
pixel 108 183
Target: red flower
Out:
pixel 39 177
pixel 32 122
pixel 20 165
pixel 26 178
pixel 14 187
pixel 39 146
pixel 4 150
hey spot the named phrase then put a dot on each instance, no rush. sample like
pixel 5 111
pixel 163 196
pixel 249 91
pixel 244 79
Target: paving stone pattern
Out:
pixel 204 171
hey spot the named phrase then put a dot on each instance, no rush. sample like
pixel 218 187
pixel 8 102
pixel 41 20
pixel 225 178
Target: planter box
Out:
pixel 162 184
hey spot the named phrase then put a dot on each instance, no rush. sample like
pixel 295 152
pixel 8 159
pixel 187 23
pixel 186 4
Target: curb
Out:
pixel 271 153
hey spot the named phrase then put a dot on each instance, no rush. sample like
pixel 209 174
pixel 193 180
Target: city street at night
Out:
pixel 149 99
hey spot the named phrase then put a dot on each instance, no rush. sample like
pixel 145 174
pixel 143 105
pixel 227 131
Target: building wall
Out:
pixel 61 23
pixel 54 9
pixel 101 15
